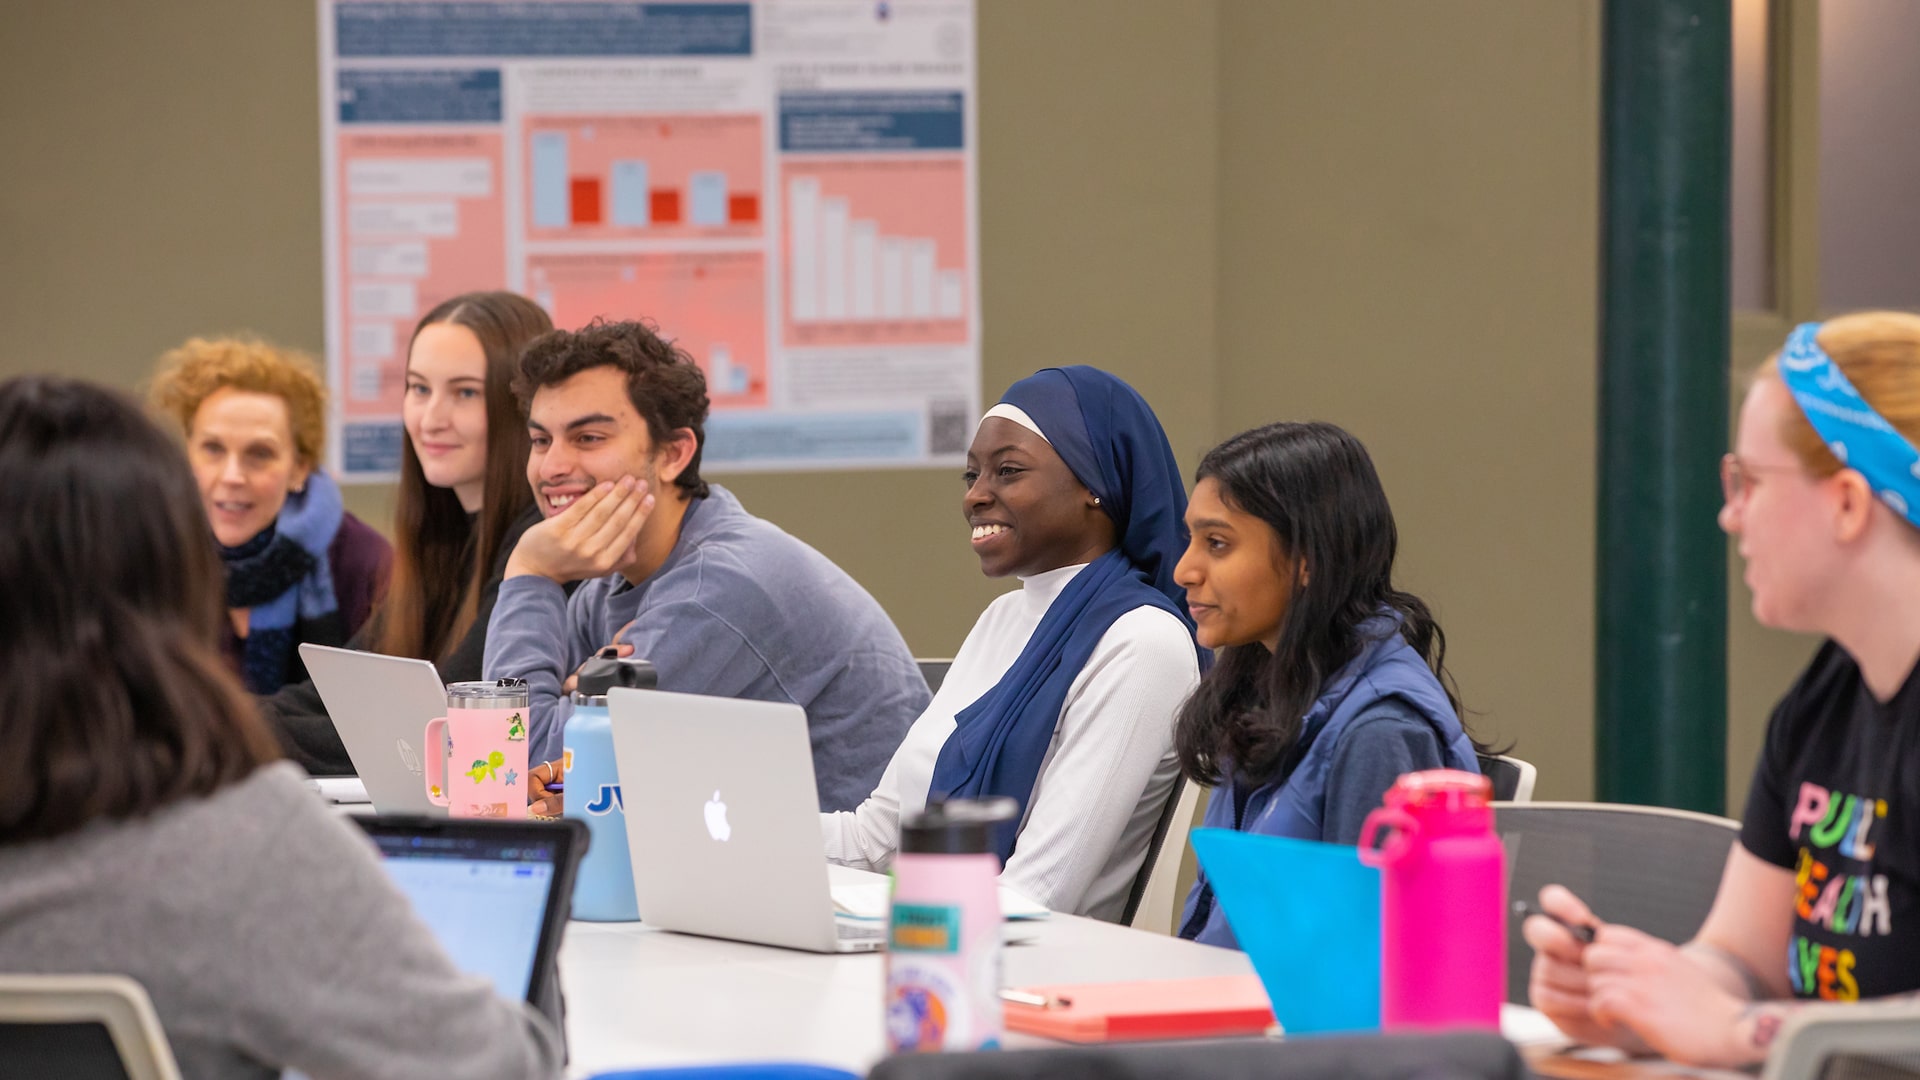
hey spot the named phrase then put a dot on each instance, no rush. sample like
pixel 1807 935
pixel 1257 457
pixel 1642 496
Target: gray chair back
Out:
pixel 81 1027
pixel 1512 778
pixel 1154 847
pixel 1645 866
pixel 1876 1040
pixel 934 671
pixel 1453 1056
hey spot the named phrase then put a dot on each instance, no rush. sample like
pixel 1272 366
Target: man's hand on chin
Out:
pixel 590 538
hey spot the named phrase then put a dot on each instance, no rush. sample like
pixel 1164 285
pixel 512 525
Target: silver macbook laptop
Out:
pixel 380 705
pixel 723 822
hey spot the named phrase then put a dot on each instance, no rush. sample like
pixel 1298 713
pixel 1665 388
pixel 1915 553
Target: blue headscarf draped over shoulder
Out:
pixel 1110 439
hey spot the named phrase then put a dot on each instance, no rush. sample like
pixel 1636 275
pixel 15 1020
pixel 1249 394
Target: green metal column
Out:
pixel 1660 665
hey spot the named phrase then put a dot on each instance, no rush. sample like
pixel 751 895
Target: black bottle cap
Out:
pixel 598 675
pixel 956 826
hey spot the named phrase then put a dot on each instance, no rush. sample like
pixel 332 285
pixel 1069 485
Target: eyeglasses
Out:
pixel 1736 476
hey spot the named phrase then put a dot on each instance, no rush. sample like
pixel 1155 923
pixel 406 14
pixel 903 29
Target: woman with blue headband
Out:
pixel 1820 898
pixel 1062 697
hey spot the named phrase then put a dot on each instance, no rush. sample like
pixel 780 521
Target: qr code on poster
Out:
pixel 947 427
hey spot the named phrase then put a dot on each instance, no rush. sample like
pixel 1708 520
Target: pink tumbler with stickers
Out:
pixel 484 734
pixel 1443 926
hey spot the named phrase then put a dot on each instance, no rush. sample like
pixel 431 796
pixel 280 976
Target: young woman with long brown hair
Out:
pixel 463 502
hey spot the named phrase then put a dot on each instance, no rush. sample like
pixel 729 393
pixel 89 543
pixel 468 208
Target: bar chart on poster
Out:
pixel 713 305
pixel 786 190
pixel 611 177
pixel 874 252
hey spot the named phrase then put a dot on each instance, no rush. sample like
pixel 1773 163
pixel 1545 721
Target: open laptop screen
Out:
pixel 487 890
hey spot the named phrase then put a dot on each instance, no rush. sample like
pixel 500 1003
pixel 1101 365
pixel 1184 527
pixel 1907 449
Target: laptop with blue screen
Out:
pixel 496 893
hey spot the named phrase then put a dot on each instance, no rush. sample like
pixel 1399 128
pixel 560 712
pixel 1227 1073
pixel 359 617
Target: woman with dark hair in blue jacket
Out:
pixel 1328 682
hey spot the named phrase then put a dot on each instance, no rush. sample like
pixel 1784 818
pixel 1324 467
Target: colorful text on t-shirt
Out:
pixel 1833 827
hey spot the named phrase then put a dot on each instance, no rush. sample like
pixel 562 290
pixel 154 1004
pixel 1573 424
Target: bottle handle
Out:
pixel 435 774
pixel 1403 827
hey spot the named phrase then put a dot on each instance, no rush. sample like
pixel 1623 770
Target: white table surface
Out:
pixel 638 997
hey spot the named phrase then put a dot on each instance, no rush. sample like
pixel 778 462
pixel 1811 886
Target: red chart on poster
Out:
pixel 711 304
pixel 638 177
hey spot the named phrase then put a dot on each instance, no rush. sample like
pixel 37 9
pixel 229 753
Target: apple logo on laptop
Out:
pixel 717 826
pixel 407 757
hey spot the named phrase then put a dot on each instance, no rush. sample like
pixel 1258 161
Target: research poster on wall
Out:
pixel 785 188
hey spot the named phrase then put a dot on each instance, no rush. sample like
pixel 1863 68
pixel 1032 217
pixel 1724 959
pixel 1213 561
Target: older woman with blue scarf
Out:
pixel 1819 900
pixel 1063 695
pixel 300 568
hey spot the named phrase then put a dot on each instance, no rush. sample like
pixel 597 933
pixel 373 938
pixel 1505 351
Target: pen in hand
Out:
pixel 1582 932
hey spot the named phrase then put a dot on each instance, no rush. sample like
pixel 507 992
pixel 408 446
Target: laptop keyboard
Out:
pixel 848 930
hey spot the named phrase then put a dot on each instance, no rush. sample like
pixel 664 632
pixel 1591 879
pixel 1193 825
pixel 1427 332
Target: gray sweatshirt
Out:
pixel 739 609
pixel 268 936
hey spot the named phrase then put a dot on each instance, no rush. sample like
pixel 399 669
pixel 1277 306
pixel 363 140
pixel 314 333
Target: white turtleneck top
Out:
pixel 1105 779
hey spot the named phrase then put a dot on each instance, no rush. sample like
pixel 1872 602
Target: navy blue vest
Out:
pixel 1295 806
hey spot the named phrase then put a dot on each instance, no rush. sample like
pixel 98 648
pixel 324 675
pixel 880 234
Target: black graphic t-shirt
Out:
pixel 1836 800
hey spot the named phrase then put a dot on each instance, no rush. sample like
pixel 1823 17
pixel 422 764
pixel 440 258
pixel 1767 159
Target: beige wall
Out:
pixel 1409 195
pixel 1378 212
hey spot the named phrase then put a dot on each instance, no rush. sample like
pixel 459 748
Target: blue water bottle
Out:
pixel 603 892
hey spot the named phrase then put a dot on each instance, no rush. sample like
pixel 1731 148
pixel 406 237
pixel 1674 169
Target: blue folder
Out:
pixel 1308 916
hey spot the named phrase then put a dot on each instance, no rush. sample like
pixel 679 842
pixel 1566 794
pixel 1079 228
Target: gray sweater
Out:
pixel 268 936
pixel 739 609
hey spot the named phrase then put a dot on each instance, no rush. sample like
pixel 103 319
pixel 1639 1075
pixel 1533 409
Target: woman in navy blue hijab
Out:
pixel 1063 695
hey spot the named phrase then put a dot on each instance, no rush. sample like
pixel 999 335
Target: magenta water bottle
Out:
pixel 1443 927
pixel 943 928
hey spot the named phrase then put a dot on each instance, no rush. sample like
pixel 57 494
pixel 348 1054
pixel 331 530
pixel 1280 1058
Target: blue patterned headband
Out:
pixel 1858 435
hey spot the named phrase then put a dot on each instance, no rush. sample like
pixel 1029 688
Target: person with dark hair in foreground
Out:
pixel 1330 682
pixel 675 571
pixel 145 828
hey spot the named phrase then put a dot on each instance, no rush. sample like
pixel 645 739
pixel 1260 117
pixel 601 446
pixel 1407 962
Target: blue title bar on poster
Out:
pixel 884 120
pixel 541 29
pixel 880 436
pixel 419 97
pixel 371 447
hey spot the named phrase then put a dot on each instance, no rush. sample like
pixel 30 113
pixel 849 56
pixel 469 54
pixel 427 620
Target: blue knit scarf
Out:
pixel 283 578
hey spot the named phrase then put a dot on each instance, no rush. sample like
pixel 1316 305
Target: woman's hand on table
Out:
pixel 1638 982
pixel 541 797
pixel 1559 984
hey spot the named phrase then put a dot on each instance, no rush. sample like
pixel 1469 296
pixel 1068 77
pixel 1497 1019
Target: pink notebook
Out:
pixel 1211 1007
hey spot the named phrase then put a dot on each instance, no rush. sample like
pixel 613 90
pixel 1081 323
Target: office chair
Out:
pixel 934 671
pixel 1869 1041
pixel 1452 1056
pixel 81 1027
pixel 1512 778
pixel 1155 901
pixel 1645 866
